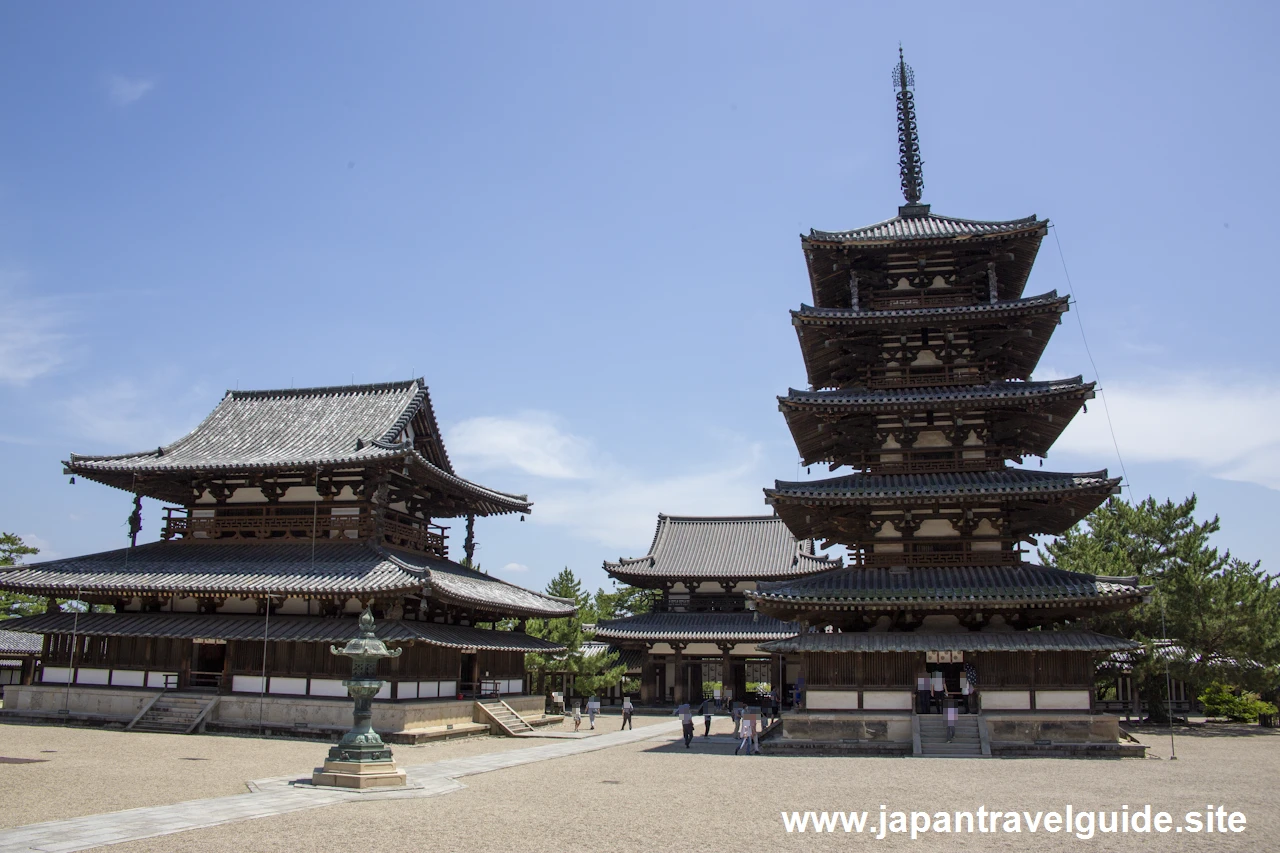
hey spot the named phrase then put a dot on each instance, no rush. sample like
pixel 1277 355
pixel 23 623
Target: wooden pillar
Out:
pixel 1032 692
pixel 726 669
pixel 678 689
pixel 648 677
pixel 28 670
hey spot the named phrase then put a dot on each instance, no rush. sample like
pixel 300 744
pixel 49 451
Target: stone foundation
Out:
pixel 842 733
pixel 399 722
pixel 1057 734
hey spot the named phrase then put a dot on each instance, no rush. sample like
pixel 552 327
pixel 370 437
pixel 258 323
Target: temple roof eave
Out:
pixel 1001 393
pixel 299 629
pixel 808 315
pixel 694 627
pixel 247 570
pixel 968 641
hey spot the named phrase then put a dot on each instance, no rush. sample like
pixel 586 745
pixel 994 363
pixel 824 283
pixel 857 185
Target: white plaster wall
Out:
pixel 1062 700
pixel 886 700
pixel 935 527
pixel 1005 700
pixel 831 700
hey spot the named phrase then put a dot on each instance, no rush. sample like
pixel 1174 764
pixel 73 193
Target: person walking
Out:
pixel 951 712
pixel 593 708
pixel 627 709
pixel 685 713
pixel 577 718
pixel 745 736
pixel 706 717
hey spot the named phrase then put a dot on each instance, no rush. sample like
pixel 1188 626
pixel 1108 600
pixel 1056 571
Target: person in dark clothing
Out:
pixel 685 713
pixel 627 710
pixel 971 677
pixel 923 689
pixel 706 717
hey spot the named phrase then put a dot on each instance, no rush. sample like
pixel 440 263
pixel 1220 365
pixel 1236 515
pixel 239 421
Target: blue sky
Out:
pixel 579 222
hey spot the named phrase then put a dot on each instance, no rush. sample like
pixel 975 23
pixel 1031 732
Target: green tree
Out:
pixel 12 550
pixel 1223 611
pixel 619 603
pixel 592 673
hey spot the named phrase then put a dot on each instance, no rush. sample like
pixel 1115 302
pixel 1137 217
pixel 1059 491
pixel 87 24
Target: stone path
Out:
pixel 281 795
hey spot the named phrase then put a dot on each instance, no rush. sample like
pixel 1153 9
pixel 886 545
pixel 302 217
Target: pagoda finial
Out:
pixel 909 163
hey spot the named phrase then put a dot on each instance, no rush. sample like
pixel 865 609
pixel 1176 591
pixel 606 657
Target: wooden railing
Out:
pixel 923 376
pixel 932 556
pixel 697 603
pixel 278 522
pixel 901 300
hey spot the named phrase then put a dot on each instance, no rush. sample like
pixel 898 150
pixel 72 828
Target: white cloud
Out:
pixel 619 510
pixel 32 342
pixel 594 497
pixel 1223 426
pixel 514 567
pixel 126 90
pixel 46 550
pixel 124 415
pixel 532 442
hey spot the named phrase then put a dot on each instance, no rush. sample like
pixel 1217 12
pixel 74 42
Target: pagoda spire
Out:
pixel 909 162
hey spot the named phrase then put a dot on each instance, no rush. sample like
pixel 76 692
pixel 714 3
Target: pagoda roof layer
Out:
pixel 967 641
pixel 251 569
pixel 913 317
pixel 943 484
pixel 1011 244
pixel 991 394
pixel 981 587
pixel 307 428
pixel 744 626
pixel 1006 338
pixel 1045 502
pixel 297 629
pixel 926 225
pixel 1028 415
pixel 720 547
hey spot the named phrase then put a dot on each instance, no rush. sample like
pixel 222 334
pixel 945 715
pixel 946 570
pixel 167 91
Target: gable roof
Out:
pixel 729 547
pixel 346 425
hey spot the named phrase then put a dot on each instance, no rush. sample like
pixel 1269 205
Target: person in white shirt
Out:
pixel 746 732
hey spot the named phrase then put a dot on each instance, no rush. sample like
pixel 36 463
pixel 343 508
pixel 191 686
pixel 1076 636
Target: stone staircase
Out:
pixel 173 713
pixel 933 737
pixel 506 718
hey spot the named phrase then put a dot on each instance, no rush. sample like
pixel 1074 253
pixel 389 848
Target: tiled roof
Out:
pixel 1016 393
pixel 808 315
pixel 731 547
pixel 927 227
pixel 249 569
pixel 967 641
pixel 218 569
pixel 1009 481
pixel 743 626
pixel 298 629
pixel 975 585
pixel 450 581
pixel 335 426
pixel 18 643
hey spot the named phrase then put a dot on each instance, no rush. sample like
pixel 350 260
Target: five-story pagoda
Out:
pixel 919 350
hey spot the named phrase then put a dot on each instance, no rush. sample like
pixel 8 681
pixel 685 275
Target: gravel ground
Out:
pixel 660 796
pixel 113 770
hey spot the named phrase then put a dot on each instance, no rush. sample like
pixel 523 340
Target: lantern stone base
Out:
pixel 359 774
